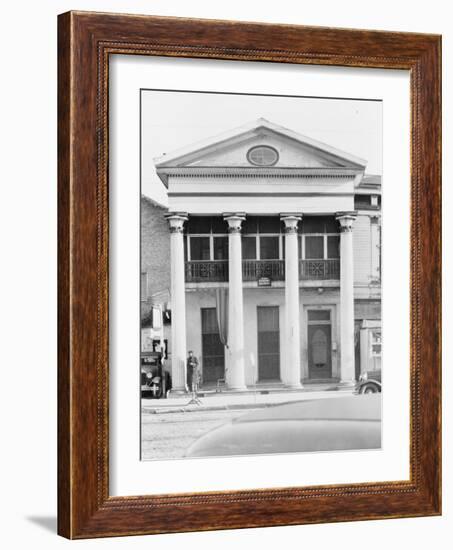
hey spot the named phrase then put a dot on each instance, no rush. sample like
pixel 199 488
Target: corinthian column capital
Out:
pixel 234 220
pixel 176 221
pixel 346 220
pixel 291 221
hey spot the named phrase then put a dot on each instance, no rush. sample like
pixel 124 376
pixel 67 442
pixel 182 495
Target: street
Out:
pixel 167 436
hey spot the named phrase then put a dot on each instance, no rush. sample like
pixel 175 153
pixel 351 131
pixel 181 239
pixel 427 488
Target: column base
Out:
pixel 236 388
pixel 177 392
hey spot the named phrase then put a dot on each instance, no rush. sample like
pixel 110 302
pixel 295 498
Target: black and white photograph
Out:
pixel 260 291
pixel 235 337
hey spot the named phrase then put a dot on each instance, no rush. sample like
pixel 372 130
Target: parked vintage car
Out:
pixel 369 382
pixel 327 424
pixel 155 380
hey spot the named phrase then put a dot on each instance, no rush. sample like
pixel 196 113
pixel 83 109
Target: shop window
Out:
pixel 376 343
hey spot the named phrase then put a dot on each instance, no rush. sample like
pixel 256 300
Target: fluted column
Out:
pixel 347 354
pixel 235 368
pixel 291 372
pixel 178 302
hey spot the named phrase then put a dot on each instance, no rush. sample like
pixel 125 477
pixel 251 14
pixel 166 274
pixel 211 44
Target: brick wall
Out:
pixel 155 253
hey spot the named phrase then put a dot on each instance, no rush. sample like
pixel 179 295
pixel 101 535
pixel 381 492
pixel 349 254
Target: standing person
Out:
pixel 192 372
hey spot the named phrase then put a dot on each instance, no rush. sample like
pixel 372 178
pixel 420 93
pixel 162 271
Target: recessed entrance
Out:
pixel 212 348
pixel 268 343
pixel 319 344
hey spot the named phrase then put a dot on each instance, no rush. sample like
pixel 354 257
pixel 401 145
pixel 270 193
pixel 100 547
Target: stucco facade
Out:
pixel 289 228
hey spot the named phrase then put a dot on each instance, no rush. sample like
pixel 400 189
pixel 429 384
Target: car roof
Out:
pixel 357 407
pixel 326 424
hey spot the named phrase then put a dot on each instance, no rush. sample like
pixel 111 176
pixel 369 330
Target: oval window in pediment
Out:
pixel 262 155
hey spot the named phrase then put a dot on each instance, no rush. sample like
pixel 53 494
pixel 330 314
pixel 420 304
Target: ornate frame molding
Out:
pixel 86 40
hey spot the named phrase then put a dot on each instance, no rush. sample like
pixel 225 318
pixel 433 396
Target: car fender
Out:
pixel 369 383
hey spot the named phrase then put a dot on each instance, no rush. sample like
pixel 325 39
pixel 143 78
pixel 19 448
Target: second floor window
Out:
pixel 262 239
pixel 314 247
pixel 320 247
pixel 200 248
pixel 220 248
pixel 249 248
pixel 269 247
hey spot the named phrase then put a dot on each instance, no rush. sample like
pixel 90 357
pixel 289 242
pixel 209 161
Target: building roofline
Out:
pixel 169 159
pixel 153 202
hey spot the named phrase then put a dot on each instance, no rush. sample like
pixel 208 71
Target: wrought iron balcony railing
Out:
pixel 207 272
pixel 319 269
pixel 253 270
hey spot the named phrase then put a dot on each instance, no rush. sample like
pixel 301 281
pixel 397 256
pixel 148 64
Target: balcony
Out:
pixel 318 270
pixel 207 271
pixel 252 270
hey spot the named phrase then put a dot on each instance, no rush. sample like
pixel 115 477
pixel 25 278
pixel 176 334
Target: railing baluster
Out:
pixel 252 270
pixel 319 269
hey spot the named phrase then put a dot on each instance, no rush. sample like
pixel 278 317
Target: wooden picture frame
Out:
pixel 85 41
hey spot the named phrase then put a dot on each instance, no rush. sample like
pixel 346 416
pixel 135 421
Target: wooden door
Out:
pixel 213 351
pixel 268 343
pixel 319 351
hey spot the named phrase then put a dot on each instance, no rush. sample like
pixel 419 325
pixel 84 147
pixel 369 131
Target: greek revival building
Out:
pixel 274 260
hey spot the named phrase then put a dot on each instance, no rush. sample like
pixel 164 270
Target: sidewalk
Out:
pixel 237 401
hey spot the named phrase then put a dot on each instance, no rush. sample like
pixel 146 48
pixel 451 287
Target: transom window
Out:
pixel 318 315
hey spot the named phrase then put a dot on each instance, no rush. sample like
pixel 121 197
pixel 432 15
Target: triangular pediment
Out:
pixel 260 144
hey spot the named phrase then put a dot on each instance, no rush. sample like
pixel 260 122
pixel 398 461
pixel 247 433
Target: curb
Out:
pixel 197 408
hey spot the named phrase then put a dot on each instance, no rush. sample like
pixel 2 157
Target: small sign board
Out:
pixel 264 281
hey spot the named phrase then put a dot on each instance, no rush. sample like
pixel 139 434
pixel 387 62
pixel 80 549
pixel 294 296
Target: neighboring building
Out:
pixel 275 252
pixel 155 274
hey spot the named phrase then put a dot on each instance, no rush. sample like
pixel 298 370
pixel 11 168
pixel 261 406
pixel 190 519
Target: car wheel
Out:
pixel 369 389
